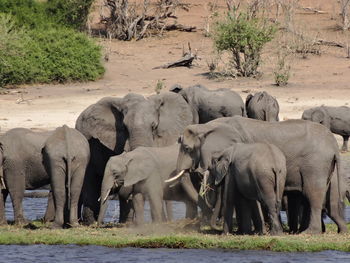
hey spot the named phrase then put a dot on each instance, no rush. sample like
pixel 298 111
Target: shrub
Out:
pixel 244 36
pixel 282 71
pixel 73 13
pixel 50 13
pixel 52 55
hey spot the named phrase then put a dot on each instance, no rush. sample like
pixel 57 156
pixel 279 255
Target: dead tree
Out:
pixel 127 21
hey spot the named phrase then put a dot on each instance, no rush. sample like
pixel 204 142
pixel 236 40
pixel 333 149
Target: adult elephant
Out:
pixel 208 104
pixel 66 155
pixel 310 149
pixel 113 125
pixel 337 119
pixel 21 166
pixel 262 106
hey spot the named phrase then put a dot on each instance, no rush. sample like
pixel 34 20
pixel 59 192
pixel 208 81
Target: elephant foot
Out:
pixel 56 225
pixel 342 230
pixel 21 221
pixel 74 224
pixel 312 231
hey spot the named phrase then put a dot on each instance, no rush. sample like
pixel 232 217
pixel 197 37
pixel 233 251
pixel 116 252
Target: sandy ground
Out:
pixel 316 80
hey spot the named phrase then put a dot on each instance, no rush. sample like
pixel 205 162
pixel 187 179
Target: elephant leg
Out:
pixel 50 209
pixel 16 189
pixel 257 216
pixel 336 207
pixel 58 186
pixel 169 211
pixel 156 205
pixel 90 194
pixel 294 204
pixel 304 215
pixel 244 212
pixel 3 196
pixel 126 210
pixel 139 204
pixel 191 210
pixel 344 148
pixel 229 198
pixel 76 185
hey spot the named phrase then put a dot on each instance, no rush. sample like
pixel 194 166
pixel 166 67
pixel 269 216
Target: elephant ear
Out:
pixel 318 116
pixel 248 99
pixel 139 167
pixel 221 166
pixel 174 115
pixel 104 120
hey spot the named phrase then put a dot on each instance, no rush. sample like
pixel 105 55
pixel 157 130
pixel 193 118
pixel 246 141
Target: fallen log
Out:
pixel 185 61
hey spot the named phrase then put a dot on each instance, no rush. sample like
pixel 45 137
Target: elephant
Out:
pixel 208 105
pixel 310 149
pixel 251 172
pixel 143 171
pixel 113 125
pixel 262 106
pixel 66 155
pixel 337 119
pixel 21 166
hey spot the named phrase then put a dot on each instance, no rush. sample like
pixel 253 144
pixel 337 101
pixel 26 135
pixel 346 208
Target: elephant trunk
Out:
pixel 140 137
pixel 217 209
pixel 107 185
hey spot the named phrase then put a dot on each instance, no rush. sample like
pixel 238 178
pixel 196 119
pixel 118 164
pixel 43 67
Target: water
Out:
pixel 74 253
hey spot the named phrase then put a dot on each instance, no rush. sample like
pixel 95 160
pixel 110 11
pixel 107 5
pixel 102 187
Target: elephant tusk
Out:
pixel 104 200
pixel 172 179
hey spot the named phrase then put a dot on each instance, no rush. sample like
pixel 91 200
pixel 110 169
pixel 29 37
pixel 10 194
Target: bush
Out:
pixel 52 55
pixel 73 13
pixel 51 13
pixel 244 36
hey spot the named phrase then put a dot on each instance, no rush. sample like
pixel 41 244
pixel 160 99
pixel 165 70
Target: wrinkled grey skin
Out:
pixel 22 167
pixel 262 106
pixel 208 105
pixel 144 171
pixel 66 155
pixel 102 125
pixel 310 149
pixel 250 172
pixel 116 124
pixel 337 119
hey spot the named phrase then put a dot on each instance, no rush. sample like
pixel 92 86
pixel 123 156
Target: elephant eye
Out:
pixel 187 148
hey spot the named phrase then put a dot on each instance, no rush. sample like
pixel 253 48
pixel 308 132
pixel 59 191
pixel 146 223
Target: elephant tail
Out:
pixel 277 190
pixel 68 166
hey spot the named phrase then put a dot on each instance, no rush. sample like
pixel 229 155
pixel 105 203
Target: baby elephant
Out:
pixel 66 155
pixel 337 119
pixel 252 172
pixel 262 106
pixel 143 171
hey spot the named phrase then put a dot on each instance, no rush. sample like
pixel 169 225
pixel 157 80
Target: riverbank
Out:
pixel 172 235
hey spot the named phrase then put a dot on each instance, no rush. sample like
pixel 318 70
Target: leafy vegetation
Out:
pixel 40 45
pixel 244 36
pixel 170 236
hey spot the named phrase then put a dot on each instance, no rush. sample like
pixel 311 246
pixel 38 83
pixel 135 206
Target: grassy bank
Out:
pixel 171 236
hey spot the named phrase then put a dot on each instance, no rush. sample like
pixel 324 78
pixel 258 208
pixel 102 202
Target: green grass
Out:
pixel 171 236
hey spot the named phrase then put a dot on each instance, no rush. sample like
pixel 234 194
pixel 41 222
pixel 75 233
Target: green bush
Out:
pixel 52 55
pixel 72 13
pixel 51 13
pixel 244 36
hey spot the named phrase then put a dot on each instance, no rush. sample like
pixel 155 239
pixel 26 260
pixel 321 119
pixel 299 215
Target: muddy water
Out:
pixel 73 253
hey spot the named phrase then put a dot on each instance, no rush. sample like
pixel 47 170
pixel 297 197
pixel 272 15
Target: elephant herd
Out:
pixel 192 145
